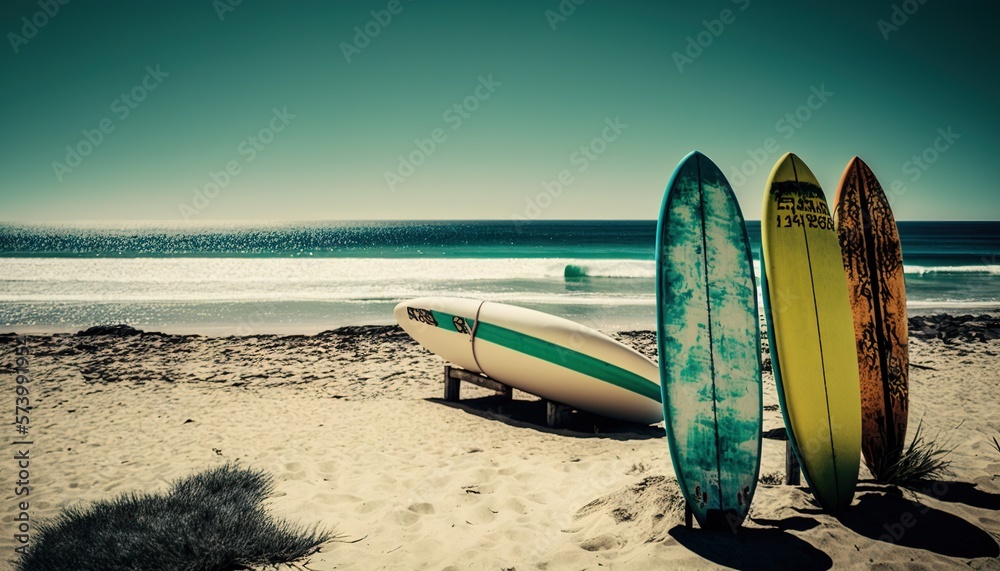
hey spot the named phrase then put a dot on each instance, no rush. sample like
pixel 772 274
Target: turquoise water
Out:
pixel 305 277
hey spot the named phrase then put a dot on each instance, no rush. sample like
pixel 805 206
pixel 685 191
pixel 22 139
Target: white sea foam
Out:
pixel 56 280
pixel 993 270
pixel 176 292
pixel 610 269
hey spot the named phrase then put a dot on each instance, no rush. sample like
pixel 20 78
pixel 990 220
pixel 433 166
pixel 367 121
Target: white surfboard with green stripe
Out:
pixel 548 356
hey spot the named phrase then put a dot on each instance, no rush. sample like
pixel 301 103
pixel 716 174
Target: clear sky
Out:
pixel 316 120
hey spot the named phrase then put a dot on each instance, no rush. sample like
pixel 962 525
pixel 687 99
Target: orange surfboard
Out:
pixel 873 260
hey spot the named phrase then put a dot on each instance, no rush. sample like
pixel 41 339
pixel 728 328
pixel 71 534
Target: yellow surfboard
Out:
pixel 811 331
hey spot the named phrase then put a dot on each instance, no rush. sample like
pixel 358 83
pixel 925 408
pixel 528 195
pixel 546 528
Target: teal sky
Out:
pixel 890 94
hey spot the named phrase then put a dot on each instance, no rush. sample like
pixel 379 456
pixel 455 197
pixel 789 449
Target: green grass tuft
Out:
pixel 996 444
pixel 923 459
pixel 211 521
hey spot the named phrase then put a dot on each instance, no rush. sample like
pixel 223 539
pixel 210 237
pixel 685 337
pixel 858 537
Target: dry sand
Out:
pixel 352 425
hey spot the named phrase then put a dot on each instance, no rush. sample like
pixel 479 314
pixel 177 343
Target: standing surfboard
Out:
pixel 548 356
pixel 873 260
pixel 709 343
pixel 811 331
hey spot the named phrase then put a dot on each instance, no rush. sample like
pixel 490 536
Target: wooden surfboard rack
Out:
pixel 792 469
pixel 555 413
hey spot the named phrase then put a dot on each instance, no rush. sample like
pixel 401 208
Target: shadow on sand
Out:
pixel 531 414
pixel 755 549
pixel 888 516
pixel 960 493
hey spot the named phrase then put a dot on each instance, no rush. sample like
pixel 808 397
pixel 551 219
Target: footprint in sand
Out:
pixel 405 518
pixel 479 515
pixel 520 536
pixel 411 514
pixel 515 505
pixel 423 509
pixel 370 506
pixel 602 542
pixel 543 498
pixel 327 468
pixel 483 475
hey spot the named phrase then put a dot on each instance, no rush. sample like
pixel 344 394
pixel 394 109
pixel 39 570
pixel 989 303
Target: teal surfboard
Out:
pixel 709 344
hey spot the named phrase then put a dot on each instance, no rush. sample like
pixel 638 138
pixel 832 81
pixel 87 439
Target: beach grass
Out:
pixel 212 521
pixel 771 478
pixel 924 459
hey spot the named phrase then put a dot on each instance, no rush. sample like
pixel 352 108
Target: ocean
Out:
pixel 305 277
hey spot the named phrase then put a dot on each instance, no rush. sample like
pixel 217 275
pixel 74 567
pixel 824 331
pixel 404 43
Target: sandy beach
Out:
pixel 210 211
pixel 352 425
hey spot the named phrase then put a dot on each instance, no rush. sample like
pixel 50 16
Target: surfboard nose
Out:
pixel 442 325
